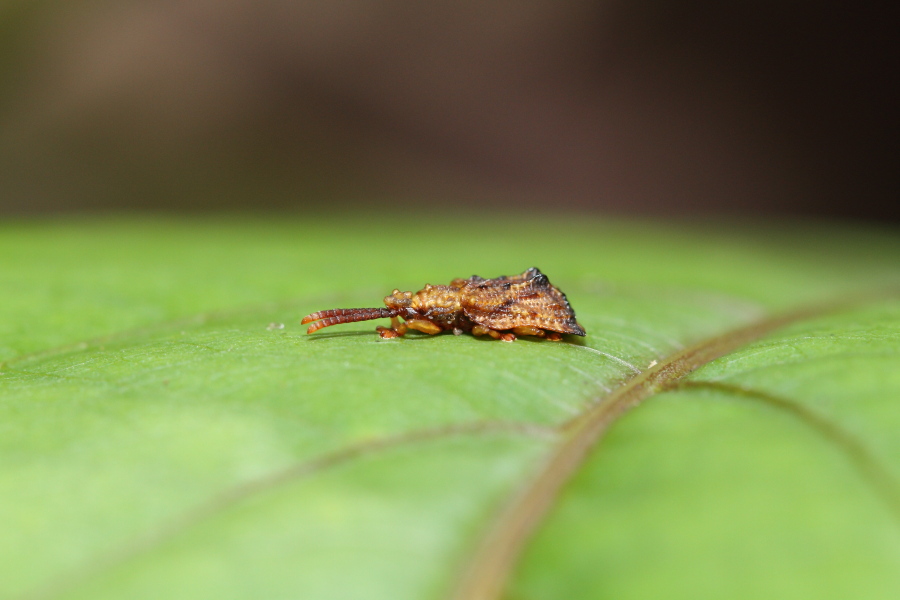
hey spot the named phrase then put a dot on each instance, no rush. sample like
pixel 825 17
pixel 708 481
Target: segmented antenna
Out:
pixel 336 316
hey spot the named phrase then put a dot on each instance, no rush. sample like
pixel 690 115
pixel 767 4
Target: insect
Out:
pixel 503 308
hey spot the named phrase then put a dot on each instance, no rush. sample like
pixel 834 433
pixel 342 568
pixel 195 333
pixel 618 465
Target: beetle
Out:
pixel 503 308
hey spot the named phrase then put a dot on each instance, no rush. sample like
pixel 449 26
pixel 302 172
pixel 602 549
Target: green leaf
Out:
pixel 726 429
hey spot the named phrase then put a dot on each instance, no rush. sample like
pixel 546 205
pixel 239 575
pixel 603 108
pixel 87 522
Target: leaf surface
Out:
pixel 161 435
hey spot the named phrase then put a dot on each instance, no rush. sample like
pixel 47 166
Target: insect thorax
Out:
pixel 439 304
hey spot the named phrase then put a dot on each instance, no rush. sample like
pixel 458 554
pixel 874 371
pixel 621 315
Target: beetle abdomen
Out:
pixel 526 300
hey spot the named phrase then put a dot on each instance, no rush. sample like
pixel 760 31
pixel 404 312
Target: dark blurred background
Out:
pixel 656 107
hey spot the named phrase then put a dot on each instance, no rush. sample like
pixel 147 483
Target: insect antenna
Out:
pixel 327 318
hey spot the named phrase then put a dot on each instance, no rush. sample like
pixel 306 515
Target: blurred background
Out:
pixel 641 107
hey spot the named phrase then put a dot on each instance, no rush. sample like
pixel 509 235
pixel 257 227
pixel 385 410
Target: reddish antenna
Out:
pixel 327 318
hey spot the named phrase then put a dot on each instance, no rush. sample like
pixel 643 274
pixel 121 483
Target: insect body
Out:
pixel 526 304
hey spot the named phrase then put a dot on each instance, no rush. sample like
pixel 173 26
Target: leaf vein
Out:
pixel 485 574
pixel 226 499
pixel 871 470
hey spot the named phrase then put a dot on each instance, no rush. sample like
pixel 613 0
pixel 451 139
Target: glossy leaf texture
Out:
pixel 730 427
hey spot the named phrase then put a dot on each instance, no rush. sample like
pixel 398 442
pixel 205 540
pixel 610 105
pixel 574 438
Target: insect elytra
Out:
pixel 503 308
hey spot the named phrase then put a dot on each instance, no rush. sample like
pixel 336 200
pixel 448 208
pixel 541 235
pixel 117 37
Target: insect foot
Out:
pixel 502 308
pixel 387 333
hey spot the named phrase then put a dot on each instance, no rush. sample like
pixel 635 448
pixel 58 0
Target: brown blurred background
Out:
pixel 651 107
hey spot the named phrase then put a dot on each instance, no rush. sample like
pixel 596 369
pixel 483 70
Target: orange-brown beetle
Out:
pixel 526 304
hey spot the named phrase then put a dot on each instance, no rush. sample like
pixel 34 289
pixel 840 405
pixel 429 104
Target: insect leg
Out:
pixel 528 330
pixel 396 329
pixel 423 326
pixel 481 330
pixel 398 326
